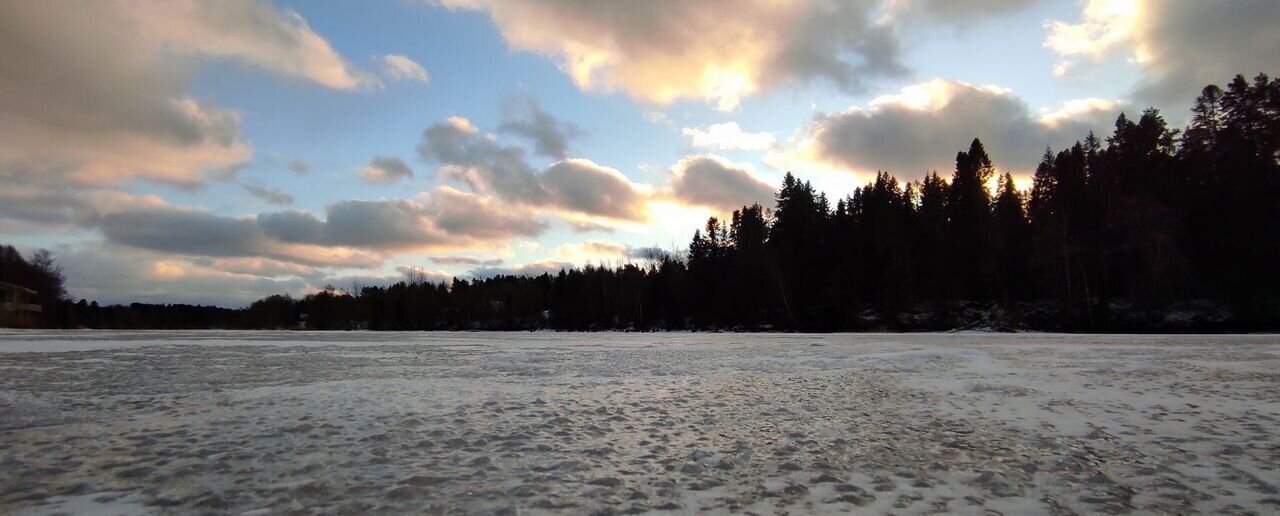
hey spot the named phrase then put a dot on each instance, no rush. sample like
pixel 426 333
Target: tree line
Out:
pixel 1147 220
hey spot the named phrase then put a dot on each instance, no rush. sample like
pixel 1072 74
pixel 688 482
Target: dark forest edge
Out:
pixel 1147 230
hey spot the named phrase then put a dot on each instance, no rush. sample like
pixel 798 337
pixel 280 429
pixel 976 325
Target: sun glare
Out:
pixel 727 86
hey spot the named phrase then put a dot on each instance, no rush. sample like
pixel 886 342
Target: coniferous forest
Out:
pixel 1147 228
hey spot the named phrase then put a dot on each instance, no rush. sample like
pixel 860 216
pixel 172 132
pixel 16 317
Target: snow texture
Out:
pixel 96 422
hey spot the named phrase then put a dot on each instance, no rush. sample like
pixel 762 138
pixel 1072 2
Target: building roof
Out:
pixel 11 286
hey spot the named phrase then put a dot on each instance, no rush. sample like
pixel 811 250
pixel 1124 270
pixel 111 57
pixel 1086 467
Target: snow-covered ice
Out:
pixel 528 423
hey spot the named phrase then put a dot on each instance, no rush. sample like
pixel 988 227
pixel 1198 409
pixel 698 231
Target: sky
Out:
pixel 180 151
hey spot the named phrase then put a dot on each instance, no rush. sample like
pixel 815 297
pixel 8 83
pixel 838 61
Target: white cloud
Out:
pixel 96 92
pixel 401 68
pixel 728 136
pixel 1105 25
pixel 594 252
pixel 1075 110
pixel 721 50
pixel 1178 45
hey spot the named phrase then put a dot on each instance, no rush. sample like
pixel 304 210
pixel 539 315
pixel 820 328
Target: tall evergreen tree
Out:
pixel 969 224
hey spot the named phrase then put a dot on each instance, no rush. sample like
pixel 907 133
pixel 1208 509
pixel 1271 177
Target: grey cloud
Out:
pixel 715 182
pixel 364 224
pixel 297 227
pixel 190 232
pixel 464 260
pixel 379 224
pixel 488 167
pixel 549 134
pixel 1193 43
pixel 589 188
pixel 184 231
pixel 299 167
pixel 839 42
pixel 910 141
pixel 958 11
pixel 270 195
pixel 476 217
pixel 482 164
pixel 45 208
pixel 446 219
pixel 385 170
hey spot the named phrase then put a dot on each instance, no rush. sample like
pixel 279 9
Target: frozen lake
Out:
pixel 529 423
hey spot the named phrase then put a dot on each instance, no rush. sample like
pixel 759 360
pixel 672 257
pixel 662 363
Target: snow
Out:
pixel 220 422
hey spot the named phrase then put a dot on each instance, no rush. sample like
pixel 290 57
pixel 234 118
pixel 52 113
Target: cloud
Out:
pixel 481 163
pixel 1179 45
pixel 464 260
pixel 650 253
pixel 922 127
pixel 489 168
pixel 112 274
pixel 528 269
pixel 385 171
pixel 411 274
pixel 1106 25
pixel 270 195
pixel 299 167
pixel 58 208
pixel 249 31
pixel 443 220
pixel 353 233
pixel 445 217
pixel 96 93
pixel 720 50
pixel 550 135
pixel 389 224
pixel 584 186
pixel 714 182
pixel 472 216
pixel 578 226
pixel 576 255
pixel 728 137
pixel 401 68
pixel 955 11
pixel 256 266
pixel 198 233
pixel 592 251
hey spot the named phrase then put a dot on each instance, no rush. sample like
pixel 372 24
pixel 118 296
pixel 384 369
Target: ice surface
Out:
pixel 530 423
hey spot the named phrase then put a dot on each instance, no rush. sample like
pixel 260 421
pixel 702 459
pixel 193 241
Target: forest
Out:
pixel 1148 228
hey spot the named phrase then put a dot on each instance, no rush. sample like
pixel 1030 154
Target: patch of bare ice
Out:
pixel 340 423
